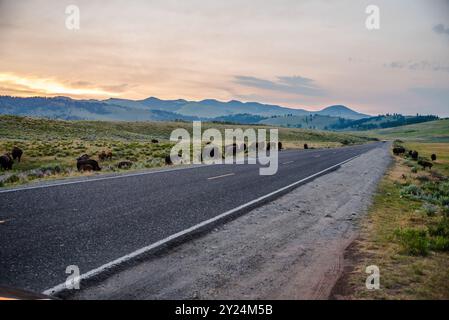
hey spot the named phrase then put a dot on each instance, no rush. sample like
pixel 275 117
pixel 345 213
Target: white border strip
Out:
pixel 61 287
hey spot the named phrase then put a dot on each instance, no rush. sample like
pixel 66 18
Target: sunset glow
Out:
pixel 301 54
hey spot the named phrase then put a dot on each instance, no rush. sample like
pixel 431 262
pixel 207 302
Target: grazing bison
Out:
pixel 154 141
pixel 410 152
pixel 234 148
pixel 260 145
pixel 306 146
pixel 210 152
pixel 16 153
pixel 280 145
pixel 425 164
pixel 124 164
pixel 87 165
pixel 168 161
pixel 433 157
pixel 398 150
pixel 6 161
pixel 83 157
pixel 105 155
pixel 415 155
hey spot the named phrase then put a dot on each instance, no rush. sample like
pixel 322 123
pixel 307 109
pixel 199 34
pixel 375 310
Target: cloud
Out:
pixel 417 65
pixel 441 29
pixel 293 85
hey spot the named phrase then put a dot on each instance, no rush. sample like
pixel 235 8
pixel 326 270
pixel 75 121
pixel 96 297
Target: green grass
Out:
pixel 406 233
pixel 433 131
pixel 51 146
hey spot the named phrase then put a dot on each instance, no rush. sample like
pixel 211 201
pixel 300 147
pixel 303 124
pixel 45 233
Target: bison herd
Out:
pixel 7 160
pixel 414 155
pixel 85 163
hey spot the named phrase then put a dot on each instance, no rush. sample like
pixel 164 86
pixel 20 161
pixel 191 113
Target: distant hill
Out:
pixel 69 109
pixel 152 109
pixel 321 122
pixel 208 108
pixel 381 121
pixel 342 112
pixel 311 121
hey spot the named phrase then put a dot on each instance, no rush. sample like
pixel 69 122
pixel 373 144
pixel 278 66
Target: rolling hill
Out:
pixel 342 112
pixel 317 121
pixel 312 121
pixel 151 109
pixel 433 131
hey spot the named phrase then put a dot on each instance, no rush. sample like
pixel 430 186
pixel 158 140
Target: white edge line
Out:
pixel 222 176
pixel 62 286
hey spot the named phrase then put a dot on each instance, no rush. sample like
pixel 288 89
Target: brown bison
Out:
pixel 105 155
pixel 210 152
pixel 168 161
pixel 6 161
pixel 87 165
pixel 398 150
pixel 425 164
pixel 280 145
pixel 415 155
pixel 83 157
pixel 16 153
pixel 306 146
pixel 433 157
pixel 154 141
pixel 124 164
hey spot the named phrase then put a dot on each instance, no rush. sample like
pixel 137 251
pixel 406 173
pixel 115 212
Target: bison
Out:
pixel 210 151
pixel 433 157
pixel 83 157
pixel 280 145
pixel 306 146
pixel 168 161
pixel 425 164
pixel 16 153
pixel 105 155
pixel 154 141
pixel 415 155
pixel 398 150
pixel 6 161
pixel 87 165
pixel 124 164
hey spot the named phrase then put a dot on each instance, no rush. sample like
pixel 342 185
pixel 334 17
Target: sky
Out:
pixel 301 54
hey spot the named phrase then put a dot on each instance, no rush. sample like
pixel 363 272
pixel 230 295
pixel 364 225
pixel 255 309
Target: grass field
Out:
pixel 51 146
pixel 433 131
pixel 406 233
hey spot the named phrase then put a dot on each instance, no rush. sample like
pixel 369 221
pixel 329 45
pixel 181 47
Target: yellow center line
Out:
pixel 222 176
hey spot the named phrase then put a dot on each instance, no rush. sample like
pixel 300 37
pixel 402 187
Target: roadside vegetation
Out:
pixel 406 233
pixel 51 146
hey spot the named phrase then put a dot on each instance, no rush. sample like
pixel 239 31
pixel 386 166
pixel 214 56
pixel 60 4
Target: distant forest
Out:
pixel 381 122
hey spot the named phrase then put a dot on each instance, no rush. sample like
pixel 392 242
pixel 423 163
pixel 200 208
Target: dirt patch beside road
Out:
pixel 290 248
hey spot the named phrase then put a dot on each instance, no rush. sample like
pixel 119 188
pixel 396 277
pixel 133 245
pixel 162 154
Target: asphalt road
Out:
pixel 92 223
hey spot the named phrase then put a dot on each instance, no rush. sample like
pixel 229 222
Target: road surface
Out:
pixel 92 223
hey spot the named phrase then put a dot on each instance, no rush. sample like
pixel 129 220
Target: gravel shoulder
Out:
pixel 291 248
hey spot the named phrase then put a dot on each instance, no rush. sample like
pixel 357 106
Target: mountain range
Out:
pixel 158 110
